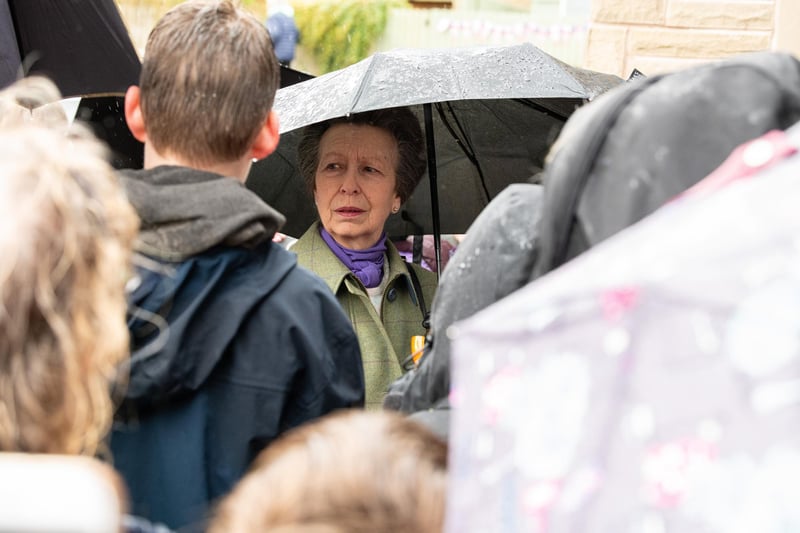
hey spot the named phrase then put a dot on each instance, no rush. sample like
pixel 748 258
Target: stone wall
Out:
pixel 665 35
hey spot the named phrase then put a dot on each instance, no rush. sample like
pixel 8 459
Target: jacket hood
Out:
pixel 184 212
pixel 183 316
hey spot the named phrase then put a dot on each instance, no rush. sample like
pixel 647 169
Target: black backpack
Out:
pixel 635 147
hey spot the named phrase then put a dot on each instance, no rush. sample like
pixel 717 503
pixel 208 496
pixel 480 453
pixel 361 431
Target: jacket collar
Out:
pixel 337 274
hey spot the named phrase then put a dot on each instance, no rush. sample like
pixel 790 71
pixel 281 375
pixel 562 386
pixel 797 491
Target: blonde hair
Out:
pixel 349 472
pixel 32 99
pixel 65 250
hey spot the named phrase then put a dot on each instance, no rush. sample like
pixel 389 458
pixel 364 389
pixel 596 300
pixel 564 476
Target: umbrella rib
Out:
pixel 468 150
pixel 364 82
pixel 530 103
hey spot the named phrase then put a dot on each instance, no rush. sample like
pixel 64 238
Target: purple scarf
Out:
pixel 367 264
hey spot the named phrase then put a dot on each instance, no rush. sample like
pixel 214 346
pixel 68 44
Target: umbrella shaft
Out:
pixel 437 234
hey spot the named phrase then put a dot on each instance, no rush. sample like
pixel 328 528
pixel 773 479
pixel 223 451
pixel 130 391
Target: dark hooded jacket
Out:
pixel 232 344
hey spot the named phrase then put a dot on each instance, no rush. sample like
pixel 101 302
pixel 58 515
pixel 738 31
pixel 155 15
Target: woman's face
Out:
pixel 354 186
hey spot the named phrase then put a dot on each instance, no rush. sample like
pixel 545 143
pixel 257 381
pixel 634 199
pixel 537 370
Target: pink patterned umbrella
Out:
pixel 651 385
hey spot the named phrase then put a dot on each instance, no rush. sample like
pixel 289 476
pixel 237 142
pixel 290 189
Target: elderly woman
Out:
pixel 361 169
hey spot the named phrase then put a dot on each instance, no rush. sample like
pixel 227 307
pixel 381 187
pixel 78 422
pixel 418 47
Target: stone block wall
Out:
pixel 665 35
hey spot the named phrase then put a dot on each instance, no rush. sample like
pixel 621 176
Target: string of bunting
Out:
pixel 483 28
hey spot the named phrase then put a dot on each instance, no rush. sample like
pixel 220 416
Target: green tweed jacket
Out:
pixel 385 340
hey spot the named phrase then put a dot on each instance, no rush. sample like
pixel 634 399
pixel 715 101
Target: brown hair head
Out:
pixel 400 122
pixel 65 244
pixel 208 81
pixel 353 472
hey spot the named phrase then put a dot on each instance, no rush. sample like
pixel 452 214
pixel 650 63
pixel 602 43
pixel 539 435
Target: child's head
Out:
pixel 353 472
pixel 208 81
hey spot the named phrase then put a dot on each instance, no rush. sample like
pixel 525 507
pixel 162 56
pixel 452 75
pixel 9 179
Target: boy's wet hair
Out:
pixel 208 81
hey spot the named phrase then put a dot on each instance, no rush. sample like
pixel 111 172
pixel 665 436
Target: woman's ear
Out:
pixel 267 139
pixel 133 113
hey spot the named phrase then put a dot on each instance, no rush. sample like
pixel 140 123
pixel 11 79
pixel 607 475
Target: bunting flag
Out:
pixel 520 30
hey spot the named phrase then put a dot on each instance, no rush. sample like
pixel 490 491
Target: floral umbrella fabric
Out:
pixel 651 385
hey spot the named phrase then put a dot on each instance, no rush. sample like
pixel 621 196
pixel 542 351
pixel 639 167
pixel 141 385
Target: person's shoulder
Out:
pixel 129 172
pixel 308 241
pixel 270 260
pixel 277 289
pixel 303 300
pixel 302 279
pixel 314 254
pixel 252 271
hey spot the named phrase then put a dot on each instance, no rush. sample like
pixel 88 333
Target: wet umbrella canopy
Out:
pixel 493 113
pixel 416 76
pixel 651 384
pixel 82 45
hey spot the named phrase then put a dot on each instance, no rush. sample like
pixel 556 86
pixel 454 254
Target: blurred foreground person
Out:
pixel 645 387
pixel 65 251
pixel 65 242
pixel 33 99
pixel 59 493
pixel 617 159
pixel 232 343
pixel 350 472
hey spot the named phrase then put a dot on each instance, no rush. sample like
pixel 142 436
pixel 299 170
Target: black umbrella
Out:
pixel 82 45
pixel 290 76
pixel 490 116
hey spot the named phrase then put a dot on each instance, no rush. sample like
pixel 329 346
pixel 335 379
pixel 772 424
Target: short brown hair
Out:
pixel 400 122
pixel 65 246
pixel 208 81
pixel 349 472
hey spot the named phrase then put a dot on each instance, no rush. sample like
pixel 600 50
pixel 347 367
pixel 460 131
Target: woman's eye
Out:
pixel 331 166
pixel 371 170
